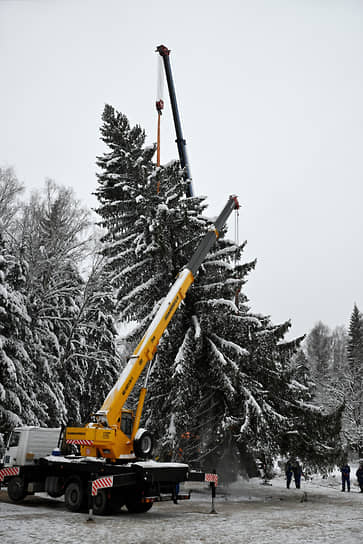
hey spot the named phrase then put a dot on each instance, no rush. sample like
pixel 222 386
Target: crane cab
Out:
pixel 120 443
pixel 127 422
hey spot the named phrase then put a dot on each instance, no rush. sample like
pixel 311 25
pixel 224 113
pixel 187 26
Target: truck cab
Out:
pixel 26 445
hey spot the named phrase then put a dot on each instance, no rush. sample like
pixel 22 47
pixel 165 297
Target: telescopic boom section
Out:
pixel 181 143
pixel 108 437
pixel 145 351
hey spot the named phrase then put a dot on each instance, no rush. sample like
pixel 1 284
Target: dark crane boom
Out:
pixel 181 143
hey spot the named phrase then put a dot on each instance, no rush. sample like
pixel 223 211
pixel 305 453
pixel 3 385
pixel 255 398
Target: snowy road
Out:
pixel 248 513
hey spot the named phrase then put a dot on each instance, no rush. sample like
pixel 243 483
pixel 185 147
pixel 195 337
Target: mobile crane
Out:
pixel 113 468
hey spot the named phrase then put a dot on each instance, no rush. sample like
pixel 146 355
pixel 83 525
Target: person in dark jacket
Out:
pixel 288 472
pixel 359 475
pixel 297 470
pixel 345 470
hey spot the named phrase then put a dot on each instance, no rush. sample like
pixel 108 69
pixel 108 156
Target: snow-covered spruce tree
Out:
pixel 353 384
pixel 355 342
pixel 99 340
pixel 17 400
pixel 199 378
pixel 72 349
pixel 339 345
pixel 149 235
pixel 231 389
pixel 249 401
pixel 51 238
pixel 72 334
pixel 298 427
pixel 325 354
pixel 221 373
pixel 318 348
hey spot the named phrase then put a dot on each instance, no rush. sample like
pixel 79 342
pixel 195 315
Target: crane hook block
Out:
pixel 236 202
pixel 163 50
pixel 159 105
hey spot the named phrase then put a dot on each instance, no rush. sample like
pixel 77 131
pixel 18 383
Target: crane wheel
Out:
pixel 101 502
pixel 74 496
pixel 16 489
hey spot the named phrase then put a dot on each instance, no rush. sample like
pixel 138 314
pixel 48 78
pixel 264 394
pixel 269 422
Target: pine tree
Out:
pixel 339 344
pixel 51 239
pixel 301 368
pixel 58 336
pixel 318 346
pixel 72 357
pixel 141 242
pixel 354 383
pixel 149 235
pixel 313 432
pixel 99 340
pixel 355 342
pixel 221 374
pixel 17 401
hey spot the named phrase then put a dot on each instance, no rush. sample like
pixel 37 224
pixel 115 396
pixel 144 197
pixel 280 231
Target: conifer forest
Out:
pixel 79 287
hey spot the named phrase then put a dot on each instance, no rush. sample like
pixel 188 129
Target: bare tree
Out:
pixel 54 229
pixel 10 190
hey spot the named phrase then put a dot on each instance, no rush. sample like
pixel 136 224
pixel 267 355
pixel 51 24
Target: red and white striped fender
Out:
pixel 9 471
pixel 79 442
pixel 209 477
pixel 101 483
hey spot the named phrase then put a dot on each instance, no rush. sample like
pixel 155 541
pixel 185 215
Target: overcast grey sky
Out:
pixel 271 98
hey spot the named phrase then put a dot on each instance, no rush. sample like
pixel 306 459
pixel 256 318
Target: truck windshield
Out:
pixel 14 439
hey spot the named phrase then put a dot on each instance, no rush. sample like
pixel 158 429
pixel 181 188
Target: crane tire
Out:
pixel 101 503
pixel 74 496
pixel 16 489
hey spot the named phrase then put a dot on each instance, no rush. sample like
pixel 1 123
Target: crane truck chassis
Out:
pixel 99 486
pixel 114 467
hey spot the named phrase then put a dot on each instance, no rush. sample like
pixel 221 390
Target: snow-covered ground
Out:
pixel 247 512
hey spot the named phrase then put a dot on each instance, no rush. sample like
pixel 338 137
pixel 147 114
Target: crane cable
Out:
pixel 159 107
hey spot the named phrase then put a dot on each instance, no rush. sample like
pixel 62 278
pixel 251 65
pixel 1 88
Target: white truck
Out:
pixel 27 445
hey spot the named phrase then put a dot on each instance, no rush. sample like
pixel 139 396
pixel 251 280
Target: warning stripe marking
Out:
pixel 211 478
pixel 79 442
pixel 101 483
pixel 9 471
